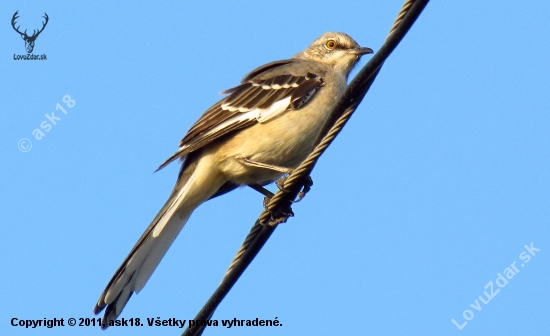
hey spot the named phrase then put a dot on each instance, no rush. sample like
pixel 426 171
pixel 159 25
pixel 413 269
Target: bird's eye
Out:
pixel 331 44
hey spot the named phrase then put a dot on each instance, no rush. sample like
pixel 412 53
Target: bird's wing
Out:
pixel 263 94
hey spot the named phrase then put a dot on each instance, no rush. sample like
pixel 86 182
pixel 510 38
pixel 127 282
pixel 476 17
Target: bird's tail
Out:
pixel 193 187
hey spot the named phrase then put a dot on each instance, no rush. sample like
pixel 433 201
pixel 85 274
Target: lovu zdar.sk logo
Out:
pixel 29 40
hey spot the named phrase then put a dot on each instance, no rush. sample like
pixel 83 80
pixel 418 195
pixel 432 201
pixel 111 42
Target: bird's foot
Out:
pixel 306 187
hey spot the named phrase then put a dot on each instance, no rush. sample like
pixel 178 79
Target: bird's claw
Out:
pixel 306 187
pixel 279 216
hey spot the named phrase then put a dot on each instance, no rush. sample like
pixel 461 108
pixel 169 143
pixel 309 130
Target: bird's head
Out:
pixel 336 49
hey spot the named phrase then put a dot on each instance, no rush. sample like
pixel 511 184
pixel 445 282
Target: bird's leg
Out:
pixel 280 182
pixel 261 190
pixel 248 162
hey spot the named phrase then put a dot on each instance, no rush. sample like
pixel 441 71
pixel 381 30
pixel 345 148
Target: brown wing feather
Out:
pixel 259 90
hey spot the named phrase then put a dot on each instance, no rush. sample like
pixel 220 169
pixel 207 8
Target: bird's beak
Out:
pixel 362 51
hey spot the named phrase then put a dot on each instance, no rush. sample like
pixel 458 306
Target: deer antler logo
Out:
pixel 29 40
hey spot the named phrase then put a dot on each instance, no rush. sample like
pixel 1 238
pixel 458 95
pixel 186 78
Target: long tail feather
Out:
pixel 192 189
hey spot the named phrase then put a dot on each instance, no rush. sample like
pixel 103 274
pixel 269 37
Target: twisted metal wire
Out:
pixel 404 10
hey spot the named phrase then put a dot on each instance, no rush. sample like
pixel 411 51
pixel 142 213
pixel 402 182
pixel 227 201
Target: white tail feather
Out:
pixel 156 253
pixel 146 255
pixel 173 207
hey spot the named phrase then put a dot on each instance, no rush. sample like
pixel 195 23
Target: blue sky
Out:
pixel 433 189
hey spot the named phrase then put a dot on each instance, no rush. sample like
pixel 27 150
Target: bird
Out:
pixel 261 130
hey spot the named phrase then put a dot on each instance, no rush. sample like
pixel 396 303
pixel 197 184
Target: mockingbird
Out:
pixel 264 128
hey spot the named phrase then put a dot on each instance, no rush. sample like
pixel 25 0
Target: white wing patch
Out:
pixel 274 110
pixel 230 108
pixel 261 115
